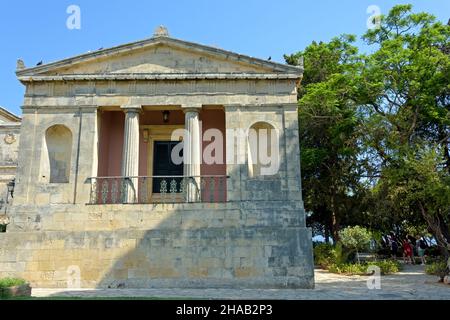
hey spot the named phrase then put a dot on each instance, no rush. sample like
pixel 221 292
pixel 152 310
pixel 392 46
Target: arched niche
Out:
pixel 263 149
pixel 56 155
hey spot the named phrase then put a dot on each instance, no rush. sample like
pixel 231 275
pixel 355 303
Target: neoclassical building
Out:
pixel 101 201
pixel 9 149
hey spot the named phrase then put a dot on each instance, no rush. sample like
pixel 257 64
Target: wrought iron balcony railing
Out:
pixel 158 189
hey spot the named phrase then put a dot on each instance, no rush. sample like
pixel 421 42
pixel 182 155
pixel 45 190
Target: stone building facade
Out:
pixel 99 202
pixel 9 148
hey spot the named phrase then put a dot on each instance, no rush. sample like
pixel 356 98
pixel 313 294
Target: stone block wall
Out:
pixel 9 149
pixel 238 245
pixel 286 183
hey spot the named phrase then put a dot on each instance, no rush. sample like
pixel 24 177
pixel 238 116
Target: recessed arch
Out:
pixel 263 148
pixel 263 123
pixel 56 154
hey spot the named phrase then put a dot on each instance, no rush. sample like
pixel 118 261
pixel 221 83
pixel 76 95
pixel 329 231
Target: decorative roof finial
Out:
pixel 161 31
pixel 20 64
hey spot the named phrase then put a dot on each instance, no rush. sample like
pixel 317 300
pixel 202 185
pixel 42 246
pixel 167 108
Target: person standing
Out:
pixel 394 248
pixel 407 252
pixel 421 247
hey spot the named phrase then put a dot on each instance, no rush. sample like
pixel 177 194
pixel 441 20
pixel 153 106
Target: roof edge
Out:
pixel 155 41
pixel 10 115
pixel 162 76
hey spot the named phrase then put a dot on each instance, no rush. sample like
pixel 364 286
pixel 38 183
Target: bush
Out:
pixel 341 254
pixel 348 268
pixel 386 267
pixel 436 268
pixel 323 255
pixel 11 282
pixel 356 238
pixel 433 251
pixel 7 283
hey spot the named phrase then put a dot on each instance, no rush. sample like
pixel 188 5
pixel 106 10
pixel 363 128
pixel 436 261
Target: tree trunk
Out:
pixel 444 227
pixel 445 249
pixel 439 230
pixel 444 143
pixel 327 234
pixel 334 221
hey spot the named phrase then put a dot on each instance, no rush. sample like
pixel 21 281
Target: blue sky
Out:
pixel 36 30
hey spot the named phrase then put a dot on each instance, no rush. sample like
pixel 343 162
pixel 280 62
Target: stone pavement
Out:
pixel 409 284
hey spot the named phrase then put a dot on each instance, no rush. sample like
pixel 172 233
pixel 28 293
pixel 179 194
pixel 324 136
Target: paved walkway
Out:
pixel 411 283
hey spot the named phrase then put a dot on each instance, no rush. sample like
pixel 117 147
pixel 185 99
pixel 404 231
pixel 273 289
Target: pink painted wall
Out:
pixel 214 119
pixel 112 137
pixel 111 143
pixel 210 119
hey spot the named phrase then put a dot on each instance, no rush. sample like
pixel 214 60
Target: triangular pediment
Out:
pixel 8 117
pixel 158 59
pixel 160 55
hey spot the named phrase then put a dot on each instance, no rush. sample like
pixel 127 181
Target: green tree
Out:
pixel 375 128
pixel 405 89
pixel 356 238
pixel 329 129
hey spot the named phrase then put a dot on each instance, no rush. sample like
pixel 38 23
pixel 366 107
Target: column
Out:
pixel 192 154
pixel 236 152
pixel 130 157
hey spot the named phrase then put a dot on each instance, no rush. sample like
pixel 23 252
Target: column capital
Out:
pixel 192 108
pixel 131 108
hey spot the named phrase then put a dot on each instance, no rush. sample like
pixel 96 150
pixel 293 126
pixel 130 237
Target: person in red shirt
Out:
pixel 407 251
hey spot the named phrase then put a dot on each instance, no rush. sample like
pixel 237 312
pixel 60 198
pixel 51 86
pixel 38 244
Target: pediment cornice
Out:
pixel 163 76
pixel 269 67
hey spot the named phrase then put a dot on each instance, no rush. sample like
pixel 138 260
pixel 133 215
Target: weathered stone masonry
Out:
pixel 257 239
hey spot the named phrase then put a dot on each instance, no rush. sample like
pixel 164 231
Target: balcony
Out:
pixel 158 190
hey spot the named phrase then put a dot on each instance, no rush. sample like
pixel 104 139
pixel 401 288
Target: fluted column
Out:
pixel 192 154
pixel 130 157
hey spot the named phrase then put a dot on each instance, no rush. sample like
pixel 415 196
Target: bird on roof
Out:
pixel 270 59
pixel 40 63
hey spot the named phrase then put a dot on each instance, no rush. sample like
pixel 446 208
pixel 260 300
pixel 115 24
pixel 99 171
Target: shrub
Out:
pixel 356 238
pixel 11 282
pixel 433 251
pixel 323 255
pixel 341 254
pixel 348 268
pixel 386 267
pixel 436 268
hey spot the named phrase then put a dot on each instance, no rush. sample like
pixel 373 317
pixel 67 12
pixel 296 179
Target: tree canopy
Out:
pixel 375 128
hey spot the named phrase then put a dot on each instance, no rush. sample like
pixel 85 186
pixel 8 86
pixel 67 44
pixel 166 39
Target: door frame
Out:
pixel 156 133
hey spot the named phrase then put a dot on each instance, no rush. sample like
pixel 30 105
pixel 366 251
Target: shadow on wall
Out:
pixel 244 244
pixel 259 242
